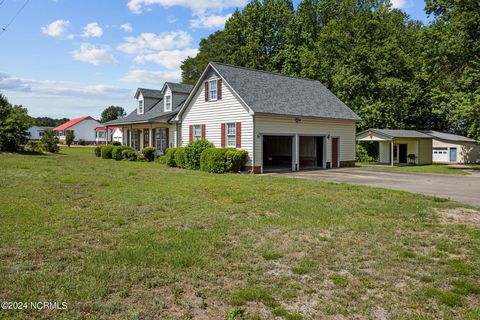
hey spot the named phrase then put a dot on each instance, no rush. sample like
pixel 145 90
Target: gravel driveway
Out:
pixel 465 189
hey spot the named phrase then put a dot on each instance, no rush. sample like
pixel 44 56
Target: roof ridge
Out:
pixel 263 71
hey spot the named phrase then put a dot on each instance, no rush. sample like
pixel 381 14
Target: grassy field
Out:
pixel 129 240
pixel 432 168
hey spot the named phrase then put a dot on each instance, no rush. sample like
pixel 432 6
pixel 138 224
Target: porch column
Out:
pixel 106 134
pixel 391 153
pixel 296 153
pixel 150 136
pixel 123 135
pixel 130 133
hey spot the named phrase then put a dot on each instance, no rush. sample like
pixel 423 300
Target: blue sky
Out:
pixel 68 58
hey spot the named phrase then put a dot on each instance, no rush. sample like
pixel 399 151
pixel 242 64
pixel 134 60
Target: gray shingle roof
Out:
pixel 270 93
pixel 448 136
pixel 400 133
pixel 180 87
pixel 150 93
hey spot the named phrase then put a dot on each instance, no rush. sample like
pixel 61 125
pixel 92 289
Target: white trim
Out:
pixel 234 134
pixel 195 137
pixel 165 104
pixel 210 81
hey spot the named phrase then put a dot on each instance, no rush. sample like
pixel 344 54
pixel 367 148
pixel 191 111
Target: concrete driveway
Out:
pixel 465 189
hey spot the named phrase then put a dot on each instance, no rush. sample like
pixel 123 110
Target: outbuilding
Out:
pixel 452 148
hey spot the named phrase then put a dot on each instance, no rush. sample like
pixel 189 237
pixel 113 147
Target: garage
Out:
pixel 277 153
pixel 440 155
pixel 311 152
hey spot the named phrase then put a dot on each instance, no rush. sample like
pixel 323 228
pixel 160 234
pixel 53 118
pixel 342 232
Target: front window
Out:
pixel 101 134
pixel 161 139
pixel 231 135
pixel 168 103
pixel 140 106
pixel 197 132
pixel 212 89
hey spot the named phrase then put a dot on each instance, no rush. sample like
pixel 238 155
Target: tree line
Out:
pixel 393 71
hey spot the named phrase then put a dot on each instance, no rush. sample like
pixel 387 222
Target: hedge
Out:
pixel 129 154
pixel 116 143
pixel 98 151
pixel 180 157
pixel 193 151
pixel 213 160
pixel 235 160
pixel 149 153
pixel 170 157
pixel 117 152
pixel 106 151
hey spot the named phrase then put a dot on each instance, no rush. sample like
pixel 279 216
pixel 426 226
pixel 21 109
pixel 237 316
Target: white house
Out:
pixel 36 132
pixel 83 128
pixel 452 148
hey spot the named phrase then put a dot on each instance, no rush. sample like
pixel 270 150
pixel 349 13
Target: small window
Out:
pixel 197 132
pixel 212 85
pixel 168 103
pixel 231 135
pixel 140 106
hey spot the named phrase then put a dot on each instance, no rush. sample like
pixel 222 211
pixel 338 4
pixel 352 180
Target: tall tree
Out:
pixel 14 122
pixel 112 113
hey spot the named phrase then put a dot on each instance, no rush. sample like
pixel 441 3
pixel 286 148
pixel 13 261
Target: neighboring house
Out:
pixel 117 135
pixel 400 146
pixel 83 128
pixel 283 122
pixel 452 148
pixel 100 134
pixel 149 124
pixel 36 132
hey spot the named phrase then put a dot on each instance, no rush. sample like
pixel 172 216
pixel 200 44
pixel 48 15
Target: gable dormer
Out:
pixel 141 104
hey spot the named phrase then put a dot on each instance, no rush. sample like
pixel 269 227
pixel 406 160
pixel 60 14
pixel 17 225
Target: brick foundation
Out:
pixel 347 164
pixel 253 169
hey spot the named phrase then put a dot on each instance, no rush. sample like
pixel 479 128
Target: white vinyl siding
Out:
pixel 283 125
pixel 467 152
pixel 212 114
pixel 231 135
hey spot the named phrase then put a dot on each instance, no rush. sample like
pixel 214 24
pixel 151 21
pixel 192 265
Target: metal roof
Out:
pixel 398 133
pixel 448 136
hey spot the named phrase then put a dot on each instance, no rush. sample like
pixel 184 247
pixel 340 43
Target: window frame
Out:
pixel 194 129
pixel 234 134
pixel 140 107
pixel 215 89
pixel 167 105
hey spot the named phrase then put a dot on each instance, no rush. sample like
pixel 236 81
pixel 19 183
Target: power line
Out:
pixel 14 17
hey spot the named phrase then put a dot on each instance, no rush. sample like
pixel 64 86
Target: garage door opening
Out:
pixel 277 153
pixel 311 152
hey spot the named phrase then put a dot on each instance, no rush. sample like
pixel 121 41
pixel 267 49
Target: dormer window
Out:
pixel 140 107
pixel 212 90
pixel 168 103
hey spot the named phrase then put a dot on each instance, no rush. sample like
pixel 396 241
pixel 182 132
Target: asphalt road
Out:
pixel 464 189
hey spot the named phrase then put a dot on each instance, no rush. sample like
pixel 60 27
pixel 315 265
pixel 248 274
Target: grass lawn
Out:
pixel 432 168
pixel 130 240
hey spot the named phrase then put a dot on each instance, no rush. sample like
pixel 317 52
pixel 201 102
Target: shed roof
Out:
pixel 448 136
pixel 398 133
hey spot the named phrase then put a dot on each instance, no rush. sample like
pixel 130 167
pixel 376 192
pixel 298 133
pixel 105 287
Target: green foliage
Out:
pixel 339 280
pixel 106 151
pixel 129 154
pixel 112 113
pixel 14 122
pixel 180 157
pixel 117 152
pixel 49 142
pixel 170 157
pixel 115 143
pixel 235 159
pixel 272 255
pixel 149 153
pixel 237 313
pixel 33 146
pixel 69 138
pixel 213 160
pixel 162 160
pixel 48 122
pixel 98 151
pixel 240 297
pixel 193 152
pixel 362 154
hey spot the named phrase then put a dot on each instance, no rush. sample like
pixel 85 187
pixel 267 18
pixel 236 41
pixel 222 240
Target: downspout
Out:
pixel 254 138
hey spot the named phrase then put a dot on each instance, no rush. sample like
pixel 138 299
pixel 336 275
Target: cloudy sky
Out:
pixel 68 58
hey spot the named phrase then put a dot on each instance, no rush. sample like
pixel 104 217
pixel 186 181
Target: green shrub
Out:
pixel 364 153
pixel 129 154
pixel 115 143
pixel 149 153
pixel 235 160
pixel 193 151
pixel 106 151
pixel 162 160
pixel 141 157
pixel 180 157
pixel 33 146
pixel 213 160
pixel 98 151
pixel 69 138
pixel 117 152
pixel 49 141
pixel 170 157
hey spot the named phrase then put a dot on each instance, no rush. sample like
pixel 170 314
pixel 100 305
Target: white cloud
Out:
pixel 93 54
pixel 148 42
pixel 92 30
pixel 56 28
pixel 70 36
pixel 138 6
pixel 209 21
pixel 170 59
pixel 126 27
pixel 153 77
pixel 399 4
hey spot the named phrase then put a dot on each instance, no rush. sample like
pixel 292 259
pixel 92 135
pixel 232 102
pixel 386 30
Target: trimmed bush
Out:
pixel 115 143
pixel 33 146
pixel 141 157
pixel 180 157
pixel 193 151
pixel 235 160
pixel 106 151
pixel 117 152
pixel 162 160
pixel 170 157
pixel 98 151
pixel 129 154
pixel 213 160
pixel 149 153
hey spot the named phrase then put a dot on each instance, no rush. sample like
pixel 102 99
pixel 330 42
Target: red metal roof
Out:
pixel 70 123
pixel 103 129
